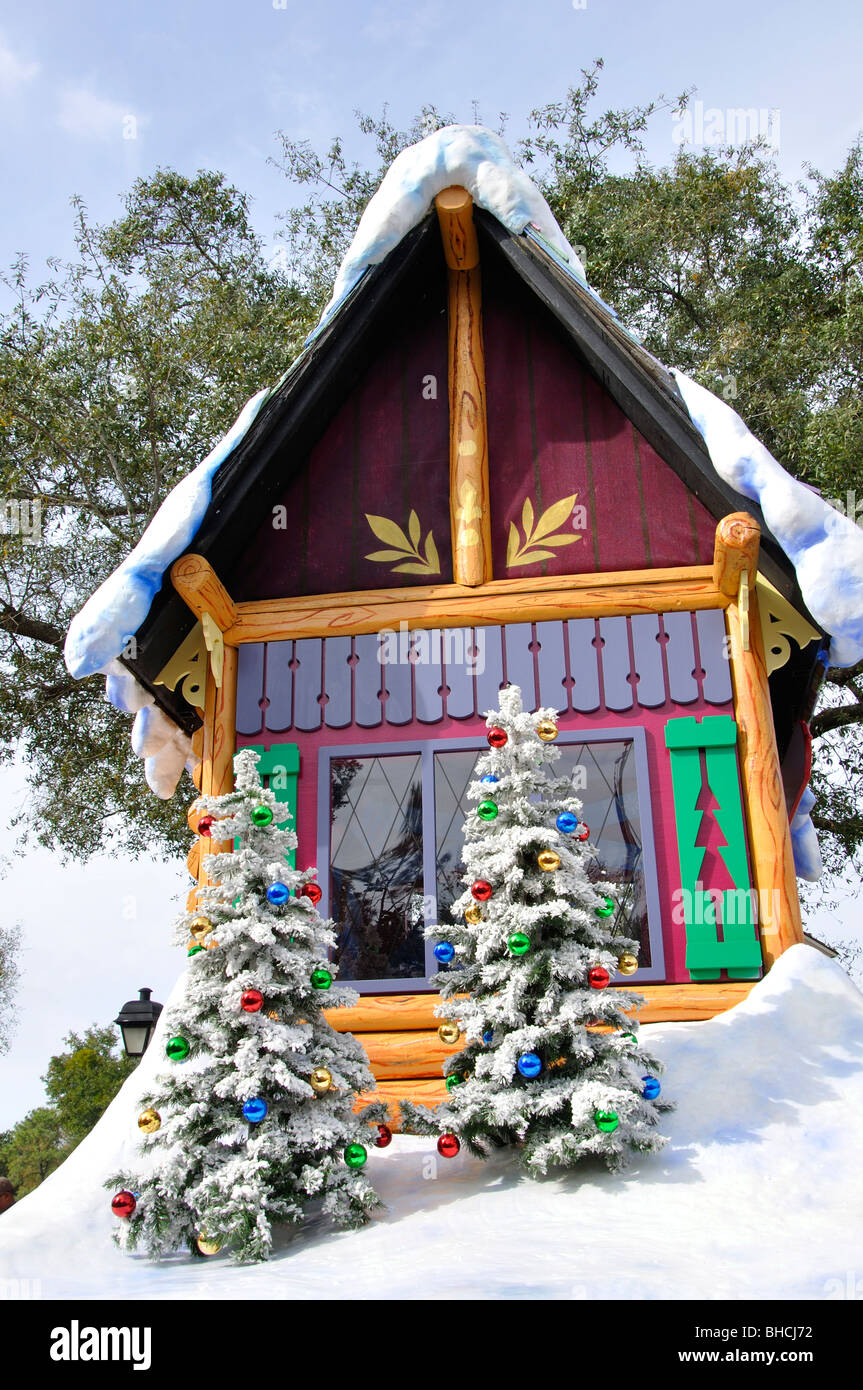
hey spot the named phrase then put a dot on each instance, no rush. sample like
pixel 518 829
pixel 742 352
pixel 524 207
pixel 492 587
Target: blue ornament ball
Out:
pixel 254 1110
pixel 444 952
pixel 489 778
pixel 488 1037
pixel 567 822
pixel 278 893
pixel 529 1064
pixel 651 1087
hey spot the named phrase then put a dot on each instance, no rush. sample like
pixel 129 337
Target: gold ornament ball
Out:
pixel 547 730
pixel 548 860
pixel 201 927
pixel 208 1246
pixel 273 1014
pixel 449 1033
pixel 149 1120
pixel 473 915
pixel 320 1080
pixel 628 963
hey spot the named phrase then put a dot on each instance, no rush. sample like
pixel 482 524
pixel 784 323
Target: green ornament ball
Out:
pixel 606 1120
pixel 606 910
pixel 454 1079
pixel 262 815
pixel 487 810
pixel 177 1049
pixel 518 943
pixel 193 950
pixel 355 1155
pixel 321 978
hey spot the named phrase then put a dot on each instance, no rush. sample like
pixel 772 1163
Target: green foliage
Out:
pixel 82 1081
pixel 34 1149
pixel 117 375
pixel 10 943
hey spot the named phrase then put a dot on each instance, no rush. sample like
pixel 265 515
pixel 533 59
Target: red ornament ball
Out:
pixel 598 977
pixel 123 1204
pixel 312 892
pixel 385 1137
pixel 584 832
pixel 481 890
pixel 448 1146
pixel 205 825
pixel 497 737
pixel 251 1001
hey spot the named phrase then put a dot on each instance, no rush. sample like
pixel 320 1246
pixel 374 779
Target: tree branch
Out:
pixel 837 718
pixel 12 620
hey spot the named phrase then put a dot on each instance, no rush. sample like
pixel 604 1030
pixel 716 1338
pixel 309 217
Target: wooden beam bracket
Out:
pixel 202 591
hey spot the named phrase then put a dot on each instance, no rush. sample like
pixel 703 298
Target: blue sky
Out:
pixel 207 85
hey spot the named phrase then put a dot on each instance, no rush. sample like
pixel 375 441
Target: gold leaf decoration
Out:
pixel 528 551
pixel 412 559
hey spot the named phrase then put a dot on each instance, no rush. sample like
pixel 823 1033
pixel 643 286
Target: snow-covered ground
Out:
pixel 758 1196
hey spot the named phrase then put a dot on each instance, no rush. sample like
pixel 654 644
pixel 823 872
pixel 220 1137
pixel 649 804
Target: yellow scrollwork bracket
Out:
pixel 779 622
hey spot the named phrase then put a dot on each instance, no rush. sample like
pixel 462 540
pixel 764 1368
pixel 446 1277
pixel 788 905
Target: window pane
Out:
pixel 452 773
pixel 604 780
pixel 376 866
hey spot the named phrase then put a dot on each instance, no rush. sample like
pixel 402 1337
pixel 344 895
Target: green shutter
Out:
pixel 281 764
pixel 738 952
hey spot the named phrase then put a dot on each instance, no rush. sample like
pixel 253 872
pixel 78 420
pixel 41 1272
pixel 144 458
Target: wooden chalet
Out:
pixel 475 476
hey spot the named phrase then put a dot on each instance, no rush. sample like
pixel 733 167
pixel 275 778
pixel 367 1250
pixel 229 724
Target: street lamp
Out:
pixel 137 1020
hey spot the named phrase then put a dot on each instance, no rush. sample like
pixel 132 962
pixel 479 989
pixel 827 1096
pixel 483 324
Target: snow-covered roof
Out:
pixel 466 156
pixel 825 547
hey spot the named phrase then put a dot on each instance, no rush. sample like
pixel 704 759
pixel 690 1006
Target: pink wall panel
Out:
pixel 652 721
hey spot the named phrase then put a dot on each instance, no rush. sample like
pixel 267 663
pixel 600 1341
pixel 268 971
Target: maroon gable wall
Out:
pixel 554 432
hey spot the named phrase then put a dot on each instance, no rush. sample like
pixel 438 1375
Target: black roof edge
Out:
pixel 643 388
pixel 326 367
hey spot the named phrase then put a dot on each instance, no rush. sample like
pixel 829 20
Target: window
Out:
pixel 384 878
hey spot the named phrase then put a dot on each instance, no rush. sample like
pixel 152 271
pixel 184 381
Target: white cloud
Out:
pixel 14 71
pixel 92 117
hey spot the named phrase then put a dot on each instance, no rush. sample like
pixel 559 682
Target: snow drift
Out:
pixel 759 1194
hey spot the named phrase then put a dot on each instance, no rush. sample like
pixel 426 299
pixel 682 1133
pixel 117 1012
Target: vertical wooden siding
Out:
pixel 554 431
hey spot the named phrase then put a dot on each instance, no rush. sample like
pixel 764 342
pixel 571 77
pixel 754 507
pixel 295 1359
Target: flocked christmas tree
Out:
pixel 535 957
pixel 253 1120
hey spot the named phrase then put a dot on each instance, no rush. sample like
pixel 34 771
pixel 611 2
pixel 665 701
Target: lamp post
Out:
pixel 137 1020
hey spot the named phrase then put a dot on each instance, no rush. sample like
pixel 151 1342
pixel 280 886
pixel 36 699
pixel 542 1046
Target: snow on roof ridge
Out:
pixel 467 155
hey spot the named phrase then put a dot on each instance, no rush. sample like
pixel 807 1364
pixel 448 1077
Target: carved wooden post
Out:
pixel 738 537
pixel 470 515
pixel 201 589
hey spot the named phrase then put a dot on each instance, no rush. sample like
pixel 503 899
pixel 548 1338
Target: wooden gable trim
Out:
pixel 447 605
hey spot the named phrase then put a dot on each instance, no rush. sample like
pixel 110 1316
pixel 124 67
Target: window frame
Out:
pixel 427 748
